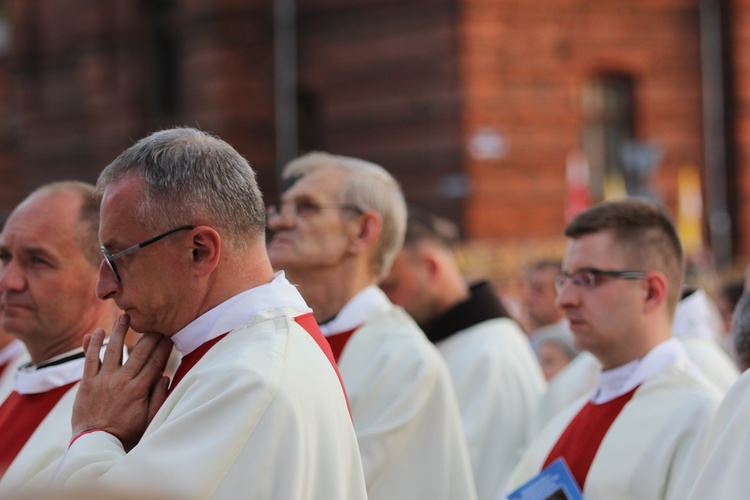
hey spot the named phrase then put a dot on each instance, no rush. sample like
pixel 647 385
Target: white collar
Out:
pixel 30 380
pixel 237 311
pixel 360 308
pixel 618 381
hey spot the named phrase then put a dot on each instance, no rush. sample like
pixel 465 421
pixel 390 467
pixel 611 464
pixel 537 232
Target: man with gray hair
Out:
pixel 336 232
pixel 255 409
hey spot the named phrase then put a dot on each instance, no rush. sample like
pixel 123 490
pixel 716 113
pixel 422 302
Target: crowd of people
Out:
pixel 164 334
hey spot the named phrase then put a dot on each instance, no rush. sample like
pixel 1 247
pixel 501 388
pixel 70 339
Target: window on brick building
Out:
pixel 608 127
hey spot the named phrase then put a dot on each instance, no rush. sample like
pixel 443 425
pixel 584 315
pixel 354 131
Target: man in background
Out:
pixel 541 316
pixel 496 375
pixel 49 263
pixel 336 231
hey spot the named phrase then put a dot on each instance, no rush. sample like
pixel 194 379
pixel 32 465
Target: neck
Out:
pixel 328 291
pixel 233 277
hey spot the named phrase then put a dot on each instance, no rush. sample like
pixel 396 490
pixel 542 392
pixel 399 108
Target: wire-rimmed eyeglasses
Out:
pixel 290 210
pixel 587 278
pixel 110 259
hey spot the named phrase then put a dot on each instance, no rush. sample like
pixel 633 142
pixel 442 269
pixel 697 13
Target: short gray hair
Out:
pixel 192 177
pixel 369 187
pixel 741 331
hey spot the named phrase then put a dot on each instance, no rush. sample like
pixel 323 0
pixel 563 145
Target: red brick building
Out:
pixel 476 106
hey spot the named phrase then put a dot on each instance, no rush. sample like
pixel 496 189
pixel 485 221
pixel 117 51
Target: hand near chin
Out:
pixel 121 398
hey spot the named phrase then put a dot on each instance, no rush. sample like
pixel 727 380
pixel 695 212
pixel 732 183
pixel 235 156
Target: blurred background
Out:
pixel 505 116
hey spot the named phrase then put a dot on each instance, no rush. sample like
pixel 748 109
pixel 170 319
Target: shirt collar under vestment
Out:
pixel 30 380
pixel 618 381
pixel 238 311
pixel 361 308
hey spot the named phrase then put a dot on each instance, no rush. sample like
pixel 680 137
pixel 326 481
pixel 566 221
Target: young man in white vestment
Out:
pixel 255 409
pixel 692 328
pixel 49 263
pixel 496 375
pixel 336 231
pixel 621 281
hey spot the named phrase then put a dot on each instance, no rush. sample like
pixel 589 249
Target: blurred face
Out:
pixel 47 286
pixel 604 318
pixel 539 297
pixel 156 288
pixel 409 285
pixel 552 359
pixel 310 233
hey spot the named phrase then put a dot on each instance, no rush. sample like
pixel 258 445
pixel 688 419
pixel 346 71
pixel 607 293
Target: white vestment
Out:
pixel 14 354
pixel 498 383
pixel 403 404
pixel 722 460
pixel 695 325
pixel 262 415
pixel 36 461
pixel 647 448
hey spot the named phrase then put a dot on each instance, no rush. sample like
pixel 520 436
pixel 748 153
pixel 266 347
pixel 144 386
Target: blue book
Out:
pixel 554 483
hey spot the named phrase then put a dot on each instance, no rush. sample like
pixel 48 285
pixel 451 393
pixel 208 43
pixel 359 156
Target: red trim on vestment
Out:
pixel 20 415
pixel 4 367
pixel 307 321
pixel 580 441
pixel 83 433
pixel 338 341
pixel 189 360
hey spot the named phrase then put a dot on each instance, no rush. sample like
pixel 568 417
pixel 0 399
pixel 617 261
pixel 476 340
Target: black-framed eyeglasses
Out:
pixel 110 259
pixel 587 278
pixel 290 210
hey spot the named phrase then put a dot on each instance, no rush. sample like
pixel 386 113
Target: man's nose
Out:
pixel 107 285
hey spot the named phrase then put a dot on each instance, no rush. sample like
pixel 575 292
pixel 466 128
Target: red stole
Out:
pixel 3 367
pixel 307 321
pixel 338 341
pixel 189 360
pixel 580 441
pixel 20 415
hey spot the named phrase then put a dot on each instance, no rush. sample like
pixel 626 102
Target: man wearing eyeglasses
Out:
pixel 620 284
pixel 49 263
pixel 256 408
pixel 336 232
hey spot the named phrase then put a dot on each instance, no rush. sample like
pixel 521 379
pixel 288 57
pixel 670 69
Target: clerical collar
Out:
pixel 369 302
pixel 483 304
pixel 238 311
pixel 621 380
pixel 50 374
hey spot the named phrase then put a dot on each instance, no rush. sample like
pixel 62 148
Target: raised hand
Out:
pixel 118 398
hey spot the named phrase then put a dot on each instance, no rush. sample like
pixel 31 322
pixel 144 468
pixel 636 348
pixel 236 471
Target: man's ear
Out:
pixel 206 247
pixel 366 231
pixel 656 290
